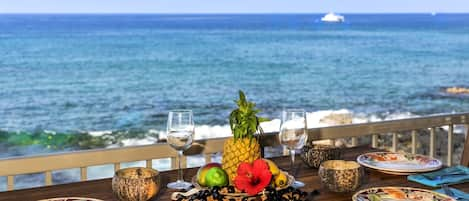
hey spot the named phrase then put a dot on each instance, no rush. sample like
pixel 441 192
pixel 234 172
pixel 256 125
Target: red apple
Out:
pixel 202 172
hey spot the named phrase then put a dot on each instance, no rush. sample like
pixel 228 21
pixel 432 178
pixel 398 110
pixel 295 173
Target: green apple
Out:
pixel 201 174
pixel 216 176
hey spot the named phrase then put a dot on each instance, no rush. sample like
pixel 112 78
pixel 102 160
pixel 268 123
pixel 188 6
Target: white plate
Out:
pixel 399 194
pixel 399 163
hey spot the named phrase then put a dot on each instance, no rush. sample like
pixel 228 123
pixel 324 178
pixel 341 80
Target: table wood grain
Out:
pixel 101 189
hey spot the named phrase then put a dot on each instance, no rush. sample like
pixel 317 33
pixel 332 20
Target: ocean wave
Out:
pixel 57 141
pixel 317 119
pixel 47 141
pixel 52 141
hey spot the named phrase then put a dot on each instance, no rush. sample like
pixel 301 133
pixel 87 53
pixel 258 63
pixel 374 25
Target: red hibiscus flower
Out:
pixel 253 178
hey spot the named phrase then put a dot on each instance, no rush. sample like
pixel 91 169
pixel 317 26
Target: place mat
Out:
pixel 437 178
pixel 459 195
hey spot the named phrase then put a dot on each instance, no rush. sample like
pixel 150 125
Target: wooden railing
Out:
pixel 83 159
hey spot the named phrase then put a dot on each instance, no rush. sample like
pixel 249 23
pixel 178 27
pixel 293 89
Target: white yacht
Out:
pixel 332 17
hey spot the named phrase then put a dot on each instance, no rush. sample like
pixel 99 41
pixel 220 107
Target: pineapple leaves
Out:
pixel 262 119
pixel 243 120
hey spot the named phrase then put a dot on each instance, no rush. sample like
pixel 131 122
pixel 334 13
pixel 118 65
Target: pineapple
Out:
pixel 243 146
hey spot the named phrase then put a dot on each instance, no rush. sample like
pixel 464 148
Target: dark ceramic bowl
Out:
pixel 314 155
pixel 136 184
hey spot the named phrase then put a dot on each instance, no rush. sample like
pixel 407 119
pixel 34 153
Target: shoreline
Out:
pixel 16 144
pixel 102 139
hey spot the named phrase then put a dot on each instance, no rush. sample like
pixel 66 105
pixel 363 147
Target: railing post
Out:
pixel 48 179
pixel 465 153
pixel 10 182
pixel 374 141
pixel 149 163
pixel 285 151
pixel 174 162
pixel 394 142
pixel 414 141
pixel 450 144
pixel 432 142
pixel 83 173
pixel 354 141
pixel 183 162
pixel 208 158
pixel 117 166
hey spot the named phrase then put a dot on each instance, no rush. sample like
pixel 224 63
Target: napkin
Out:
pixel 456 179
pixel 458 195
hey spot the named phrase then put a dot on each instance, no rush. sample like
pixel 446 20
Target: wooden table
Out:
pixel 101 189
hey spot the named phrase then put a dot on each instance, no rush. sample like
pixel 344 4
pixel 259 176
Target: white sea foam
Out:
pixel 322 118
pixel 98 133
pixel 315 119
pixel 143 141
pixel 207 131
pixel 216 131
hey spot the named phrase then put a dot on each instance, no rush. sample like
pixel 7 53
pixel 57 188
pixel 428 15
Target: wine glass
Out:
pixel 293 135
pixel 180 135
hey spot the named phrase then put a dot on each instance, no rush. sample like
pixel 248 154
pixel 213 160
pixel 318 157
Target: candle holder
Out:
pixel 136 184
pixel 313 155
pixel 341 176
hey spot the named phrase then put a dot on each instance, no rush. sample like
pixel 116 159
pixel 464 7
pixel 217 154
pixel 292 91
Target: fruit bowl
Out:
pixel 237 193
pixel 216 193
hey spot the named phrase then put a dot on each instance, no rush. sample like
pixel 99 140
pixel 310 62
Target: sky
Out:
pixel 233 6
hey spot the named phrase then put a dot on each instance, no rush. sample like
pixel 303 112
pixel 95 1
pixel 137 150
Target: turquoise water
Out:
pixel 122 73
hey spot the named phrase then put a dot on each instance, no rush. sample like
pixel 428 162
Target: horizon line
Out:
pixel 215 13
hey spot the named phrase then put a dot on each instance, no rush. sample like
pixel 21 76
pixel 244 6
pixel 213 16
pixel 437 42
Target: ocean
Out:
pixel 70 79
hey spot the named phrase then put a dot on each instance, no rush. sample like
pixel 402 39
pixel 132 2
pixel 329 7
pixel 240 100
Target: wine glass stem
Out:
pixel 292 164
pixel 180 176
